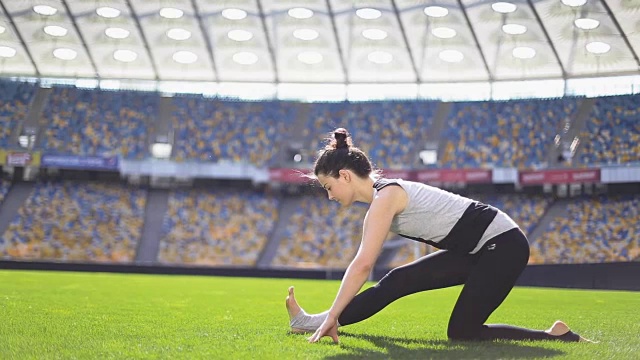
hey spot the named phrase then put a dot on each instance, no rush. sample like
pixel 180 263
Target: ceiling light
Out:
pixel 436 11
pixel 305 34
pixel 586 23
pixel 514 29
pixel 55 30
pixel 65 53
pixel 451 56
pixel 598 47
pixel 443 32
pixel 368 13
pixel 184 57
pixel 116 33
pixel 374 34
pixel 178 34
pixel 7 52
pixel 2 29
pixel 240 35
pixel 574 3
pixel 523 52
pixel 503 7
pixel 45 10
pixel 171 13
pixel 380 57
pixel 108 12
pixel 234 14
pixel 300 13
pixel 310 57
pixel 125 55
pixel 245 58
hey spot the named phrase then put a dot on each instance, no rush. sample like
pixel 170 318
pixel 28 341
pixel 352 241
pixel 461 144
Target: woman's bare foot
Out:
pixel 299 321
pixel 559 328
pixel 294 309
pixel 292 305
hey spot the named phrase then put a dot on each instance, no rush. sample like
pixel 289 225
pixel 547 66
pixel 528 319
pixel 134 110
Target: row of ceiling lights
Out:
pixel 309 57
pixel 298 13
pixel 123 55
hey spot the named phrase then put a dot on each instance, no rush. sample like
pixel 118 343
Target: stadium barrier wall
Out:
pixel 603 276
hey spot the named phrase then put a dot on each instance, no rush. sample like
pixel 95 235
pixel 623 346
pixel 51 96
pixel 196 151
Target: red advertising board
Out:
pixel 398 174
pixel 292 176
pixel 298 176
pixel 467 176
pixel 564 176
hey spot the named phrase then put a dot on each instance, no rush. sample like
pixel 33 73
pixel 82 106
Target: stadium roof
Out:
pixel 320 41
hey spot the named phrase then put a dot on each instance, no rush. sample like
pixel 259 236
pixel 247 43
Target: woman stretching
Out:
pixel 481 248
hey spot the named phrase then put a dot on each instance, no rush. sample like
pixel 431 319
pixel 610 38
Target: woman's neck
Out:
pixel 364 190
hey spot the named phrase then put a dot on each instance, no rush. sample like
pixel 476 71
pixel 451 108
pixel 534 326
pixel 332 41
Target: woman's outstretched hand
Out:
pixel 328 328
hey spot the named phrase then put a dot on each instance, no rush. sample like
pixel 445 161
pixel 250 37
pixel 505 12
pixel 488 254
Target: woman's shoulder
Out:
pixel 381 183
pixel 393 198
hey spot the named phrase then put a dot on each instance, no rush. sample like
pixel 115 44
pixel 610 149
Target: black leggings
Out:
pixel 488 277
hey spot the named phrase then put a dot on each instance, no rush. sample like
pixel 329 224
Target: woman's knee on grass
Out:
pixel 460 331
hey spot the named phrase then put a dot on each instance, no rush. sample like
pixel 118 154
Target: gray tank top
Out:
pixel 431 213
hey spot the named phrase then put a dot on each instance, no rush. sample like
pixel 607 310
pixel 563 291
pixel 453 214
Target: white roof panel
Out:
pixel 323 41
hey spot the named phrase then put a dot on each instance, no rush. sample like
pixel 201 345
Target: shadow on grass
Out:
pixel 407 348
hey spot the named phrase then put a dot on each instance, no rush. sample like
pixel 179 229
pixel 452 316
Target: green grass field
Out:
pixel 56 315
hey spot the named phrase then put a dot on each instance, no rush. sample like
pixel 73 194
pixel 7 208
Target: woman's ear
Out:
pixel 345 174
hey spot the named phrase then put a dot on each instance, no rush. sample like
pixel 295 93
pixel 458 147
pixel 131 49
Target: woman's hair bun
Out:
pixel 341 137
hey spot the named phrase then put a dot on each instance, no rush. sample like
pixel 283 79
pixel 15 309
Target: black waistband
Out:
pixel 467 232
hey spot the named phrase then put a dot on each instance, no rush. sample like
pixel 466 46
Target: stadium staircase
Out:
pixel 32 123
pixel 162 127
pixel 294 138
pixel 15 198
pixel 557 209
pixel 576 125
pixel 576 156
pixel 156 208
pixel 439 122
pixel 287 208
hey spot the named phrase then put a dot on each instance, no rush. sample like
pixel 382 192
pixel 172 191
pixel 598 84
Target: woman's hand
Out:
pixel 328 328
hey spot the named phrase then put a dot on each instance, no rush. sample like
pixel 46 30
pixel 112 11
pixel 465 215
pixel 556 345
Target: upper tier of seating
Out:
pixel 93 122
pixel 214 130
pixel 15 98
pixel 612 133
pixel 516 133
pixel 391 132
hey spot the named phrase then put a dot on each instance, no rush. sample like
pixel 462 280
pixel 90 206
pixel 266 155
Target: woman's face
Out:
pixel 338 189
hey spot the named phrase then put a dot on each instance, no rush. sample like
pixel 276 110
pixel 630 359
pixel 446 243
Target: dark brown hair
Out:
pixel 339 153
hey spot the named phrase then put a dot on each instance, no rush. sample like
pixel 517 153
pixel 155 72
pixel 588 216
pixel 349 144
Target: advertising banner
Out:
pixel 80 162
pixel 467 176
pixel 398 174
pixel 19 158
pixel 560 176
pixel 291 176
